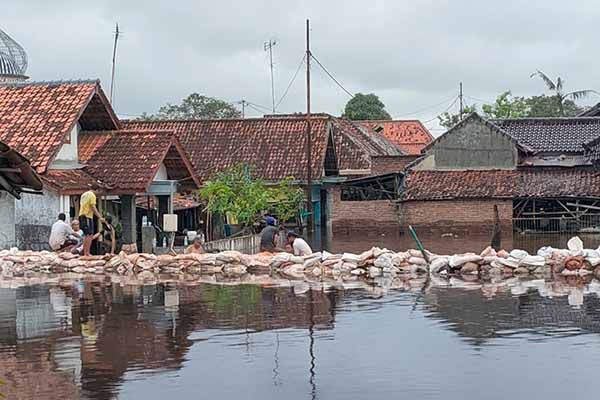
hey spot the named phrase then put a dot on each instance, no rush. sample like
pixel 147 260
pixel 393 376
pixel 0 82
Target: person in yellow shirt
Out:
pixel 87 210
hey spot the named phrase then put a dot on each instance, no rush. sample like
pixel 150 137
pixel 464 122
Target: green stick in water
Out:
pixel 419 244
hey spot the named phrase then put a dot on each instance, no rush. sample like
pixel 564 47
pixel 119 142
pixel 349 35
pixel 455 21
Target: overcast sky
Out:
pixel 411 53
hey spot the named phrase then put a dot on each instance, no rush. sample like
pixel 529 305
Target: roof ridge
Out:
pixel 206 120
pixel 55 82
pixel 583 118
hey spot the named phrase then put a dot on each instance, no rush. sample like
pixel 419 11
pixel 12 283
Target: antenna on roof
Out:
pixel 268 46
pixel 114 60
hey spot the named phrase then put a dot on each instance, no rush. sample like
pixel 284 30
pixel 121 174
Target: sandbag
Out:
pixel 352 258
pixel 229 257
pixel 458 260
pixel 518 254
pixel 417 261
pixel 384 261
pixel 438 265
pixel 574 263
pixel 279 259
pixel 575 244
pixel 295 271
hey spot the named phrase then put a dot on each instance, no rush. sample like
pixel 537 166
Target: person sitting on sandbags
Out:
pixel 62 237
pixel 195 247
pixel 297 245
pixel 269 236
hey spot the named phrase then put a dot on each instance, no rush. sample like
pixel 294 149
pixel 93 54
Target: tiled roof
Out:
pixel 593 111
pixel 538 182
pixel 356 145
pixel 592 151
pixel 69 181
pixel 410 136
pixel 35 118
pixel 16 174
pixel 128 160
pixel 274 145
pixel 552 135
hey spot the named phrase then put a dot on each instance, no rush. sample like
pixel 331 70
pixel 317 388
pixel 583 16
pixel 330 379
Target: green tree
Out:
pixel 365 107
pixel 195 106
pixel 448 120
pixel 506 106
pixel 286 200
pixel 560 97
pixel 238 193
pixel 547 106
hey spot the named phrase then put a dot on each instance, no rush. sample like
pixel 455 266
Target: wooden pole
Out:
pixel 310 219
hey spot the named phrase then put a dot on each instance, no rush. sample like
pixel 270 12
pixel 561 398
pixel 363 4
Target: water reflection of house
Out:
pixel 39 356
pixel 149 327
pixel 71 135
pixel 536 171
pixel 480 320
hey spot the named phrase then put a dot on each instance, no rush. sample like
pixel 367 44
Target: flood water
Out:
pixel 95 337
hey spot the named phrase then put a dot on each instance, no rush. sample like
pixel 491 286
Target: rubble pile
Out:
pixel 373 264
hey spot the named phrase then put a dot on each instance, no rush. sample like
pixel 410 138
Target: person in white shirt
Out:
pixel 77 229
pixel 298 245
pixel 59 235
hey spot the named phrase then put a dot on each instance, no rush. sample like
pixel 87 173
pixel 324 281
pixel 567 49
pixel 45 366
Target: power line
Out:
pixel 447 108
pixel 331 76
pixel 259 106
pixel 291 82
pixel 426 108
pixel 252 106
pixel 481 100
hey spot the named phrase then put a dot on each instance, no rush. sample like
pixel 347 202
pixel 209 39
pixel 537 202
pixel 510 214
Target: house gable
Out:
pixel 472 144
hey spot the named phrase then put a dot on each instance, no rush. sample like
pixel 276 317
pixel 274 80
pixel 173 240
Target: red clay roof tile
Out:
pixel 538 182
pixel 35 118
pixel 410 136
pixel 128 160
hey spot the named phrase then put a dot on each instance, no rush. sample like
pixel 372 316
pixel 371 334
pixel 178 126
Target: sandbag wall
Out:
pixel 373 263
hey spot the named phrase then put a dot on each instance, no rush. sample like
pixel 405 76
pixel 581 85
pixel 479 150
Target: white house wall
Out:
pixel 7 221
pixel 68 156
pixel 161 174
pixel 34 216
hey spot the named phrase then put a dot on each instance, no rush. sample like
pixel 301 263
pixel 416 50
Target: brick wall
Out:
pixel 385 164
pixel 456 215
pixel 375 215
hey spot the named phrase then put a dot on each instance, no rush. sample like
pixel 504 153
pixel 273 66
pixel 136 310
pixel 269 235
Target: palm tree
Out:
pixel 557 88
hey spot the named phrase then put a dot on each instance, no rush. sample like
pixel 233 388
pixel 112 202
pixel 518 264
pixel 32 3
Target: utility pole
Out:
pixel 243 103
pixel 114 59
pixel 310 219
pixel 269 46
pixel 460 96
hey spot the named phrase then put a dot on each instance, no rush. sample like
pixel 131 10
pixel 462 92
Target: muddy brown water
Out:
pixel 97 339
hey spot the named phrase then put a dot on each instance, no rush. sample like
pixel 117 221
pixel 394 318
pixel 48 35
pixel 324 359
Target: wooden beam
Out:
pixel 566 209
pixel 583 206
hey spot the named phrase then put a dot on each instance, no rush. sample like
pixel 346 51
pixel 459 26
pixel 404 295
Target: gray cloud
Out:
pixel 411 53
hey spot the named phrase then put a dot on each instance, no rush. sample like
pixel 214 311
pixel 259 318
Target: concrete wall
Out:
pixel 34 216
pixel 472 146
pixel 455 216
pixel 348 216
pixel 8 237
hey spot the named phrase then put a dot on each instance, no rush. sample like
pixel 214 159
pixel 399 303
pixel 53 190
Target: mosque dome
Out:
pixel 13 60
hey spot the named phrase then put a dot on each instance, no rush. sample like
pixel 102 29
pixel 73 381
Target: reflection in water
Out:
pixel 98 339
